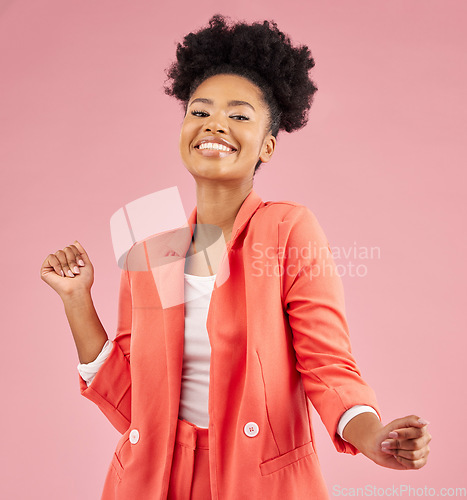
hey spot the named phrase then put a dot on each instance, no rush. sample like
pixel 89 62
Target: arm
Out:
pixel 359 428
pixel 111 387
pixel 313 297
pixel 350 414
pixel 88 333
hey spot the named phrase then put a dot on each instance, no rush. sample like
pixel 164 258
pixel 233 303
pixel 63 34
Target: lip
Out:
pixel 215 153
pixel 218 140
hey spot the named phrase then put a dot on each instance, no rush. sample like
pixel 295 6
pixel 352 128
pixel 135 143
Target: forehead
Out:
pixel 228 87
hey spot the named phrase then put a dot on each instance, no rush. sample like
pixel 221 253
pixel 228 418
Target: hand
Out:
pixel 402 444
pixel 63 271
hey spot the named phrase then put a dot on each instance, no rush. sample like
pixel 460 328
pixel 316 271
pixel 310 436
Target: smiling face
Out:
pixel 224 131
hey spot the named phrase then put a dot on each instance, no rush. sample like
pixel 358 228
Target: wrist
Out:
pixel 76 297
pixel 362 432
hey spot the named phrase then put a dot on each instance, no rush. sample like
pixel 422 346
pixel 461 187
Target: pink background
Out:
pixel 86 128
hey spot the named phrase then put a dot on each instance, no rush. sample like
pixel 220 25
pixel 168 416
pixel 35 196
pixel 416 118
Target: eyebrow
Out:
pixel 230 103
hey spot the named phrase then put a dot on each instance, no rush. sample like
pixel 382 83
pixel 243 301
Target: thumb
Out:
pixel 408 421
pixel 82 251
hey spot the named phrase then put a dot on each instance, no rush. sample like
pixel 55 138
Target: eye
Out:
pixel 203 114
pixel 196 113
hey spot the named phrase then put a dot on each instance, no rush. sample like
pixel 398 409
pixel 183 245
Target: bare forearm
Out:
pixel 88 333
pixel 360 429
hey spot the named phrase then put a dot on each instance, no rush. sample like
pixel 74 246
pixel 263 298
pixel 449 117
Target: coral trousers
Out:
pixel 189 478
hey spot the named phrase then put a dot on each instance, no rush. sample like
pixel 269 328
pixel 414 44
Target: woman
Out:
pixel 216 360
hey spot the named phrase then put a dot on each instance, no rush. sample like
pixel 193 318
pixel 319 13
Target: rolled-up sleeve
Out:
pixel 313 298
pixel 89 370
pixel 110 389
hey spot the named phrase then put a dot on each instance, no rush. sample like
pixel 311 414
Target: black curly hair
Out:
pixel 259 52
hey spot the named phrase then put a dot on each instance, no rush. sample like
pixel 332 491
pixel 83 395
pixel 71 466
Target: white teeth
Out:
pixel 214 145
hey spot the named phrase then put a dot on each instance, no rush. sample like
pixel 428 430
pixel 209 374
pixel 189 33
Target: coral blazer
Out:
pixel 279 341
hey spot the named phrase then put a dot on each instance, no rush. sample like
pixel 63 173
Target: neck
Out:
pixel 218 206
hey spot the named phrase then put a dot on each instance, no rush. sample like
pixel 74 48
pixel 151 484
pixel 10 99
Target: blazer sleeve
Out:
pixel 110 389
pixel 313 298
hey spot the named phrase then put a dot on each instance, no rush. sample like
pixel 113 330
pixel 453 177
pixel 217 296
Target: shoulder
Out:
pixel 297 225
pixel 286 211
pixel 288 223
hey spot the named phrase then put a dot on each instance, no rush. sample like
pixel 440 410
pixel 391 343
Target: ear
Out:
pixel 269 145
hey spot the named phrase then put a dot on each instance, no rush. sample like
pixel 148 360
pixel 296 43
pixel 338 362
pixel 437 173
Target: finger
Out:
pixel 52 262
pixel 71 258
pixel 406 445
pixel 408 421
pixel 412 464
pixel 390 444
pixel 408 432
pixel 415 444
pixel 82 252
pixel 77 255
pixel 63 256
pixel 412 454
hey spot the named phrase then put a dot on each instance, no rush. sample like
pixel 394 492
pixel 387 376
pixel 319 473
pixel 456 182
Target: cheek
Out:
pixel 184 140
pixel 187 133
pixel 252 142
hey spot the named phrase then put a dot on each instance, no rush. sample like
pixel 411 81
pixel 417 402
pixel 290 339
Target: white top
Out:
pixel 194 394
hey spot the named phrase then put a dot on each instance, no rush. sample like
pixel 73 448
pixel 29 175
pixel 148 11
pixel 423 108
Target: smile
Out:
pixel 214 145
pixel 214 149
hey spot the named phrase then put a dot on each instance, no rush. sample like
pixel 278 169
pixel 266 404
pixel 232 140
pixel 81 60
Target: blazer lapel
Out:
pixel 166 259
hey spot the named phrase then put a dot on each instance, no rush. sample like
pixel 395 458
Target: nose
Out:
pixel 216 122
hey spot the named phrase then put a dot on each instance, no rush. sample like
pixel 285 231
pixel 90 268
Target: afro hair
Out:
pixel 259 52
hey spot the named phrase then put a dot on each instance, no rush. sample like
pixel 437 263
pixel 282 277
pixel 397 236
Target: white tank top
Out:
pixel 194 396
